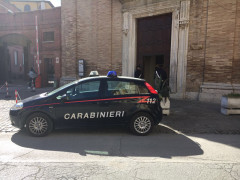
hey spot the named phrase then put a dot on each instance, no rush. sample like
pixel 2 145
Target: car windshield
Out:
pixel 61 88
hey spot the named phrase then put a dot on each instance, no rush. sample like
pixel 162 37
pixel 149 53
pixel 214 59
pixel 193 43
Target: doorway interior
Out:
pixel 48 75
pixel 154 44
pixel 14 58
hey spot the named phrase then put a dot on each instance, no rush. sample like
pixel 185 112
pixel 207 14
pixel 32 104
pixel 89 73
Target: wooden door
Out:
pixel 154 43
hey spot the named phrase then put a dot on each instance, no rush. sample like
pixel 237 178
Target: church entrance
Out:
pixel 154 44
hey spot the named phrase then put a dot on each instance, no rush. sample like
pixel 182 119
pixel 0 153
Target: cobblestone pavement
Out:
pixel 186 116
pixel 7 103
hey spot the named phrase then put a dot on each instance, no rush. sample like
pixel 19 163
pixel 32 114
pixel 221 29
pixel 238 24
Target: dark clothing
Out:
pixel 138 74
pixel 161 73
pixel 30 82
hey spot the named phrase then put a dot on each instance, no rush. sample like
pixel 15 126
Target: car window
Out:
pixel 61 88
pixel 125 88
pixel 83 90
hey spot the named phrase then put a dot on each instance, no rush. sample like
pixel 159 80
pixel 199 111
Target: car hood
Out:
pixel 34 98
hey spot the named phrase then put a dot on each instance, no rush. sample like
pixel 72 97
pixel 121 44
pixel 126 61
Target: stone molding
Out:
pixel 220 86
pixel 125 23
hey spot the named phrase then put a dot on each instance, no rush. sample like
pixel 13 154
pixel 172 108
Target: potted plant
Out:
pixel 230 104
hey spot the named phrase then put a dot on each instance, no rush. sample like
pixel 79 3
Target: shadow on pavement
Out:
pixel 112 142
pixel 230 139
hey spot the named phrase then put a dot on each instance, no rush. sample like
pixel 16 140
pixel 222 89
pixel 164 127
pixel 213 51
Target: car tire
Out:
pixel 141 124
pixel 39 124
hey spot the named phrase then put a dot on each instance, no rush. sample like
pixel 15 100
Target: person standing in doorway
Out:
pixel 138 73
pixel 160 76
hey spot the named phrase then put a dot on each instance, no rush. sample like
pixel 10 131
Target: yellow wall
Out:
pixel 33 5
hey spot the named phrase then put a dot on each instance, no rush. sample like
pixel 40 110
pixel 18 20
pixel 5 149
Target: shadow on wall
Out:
pixel 105 142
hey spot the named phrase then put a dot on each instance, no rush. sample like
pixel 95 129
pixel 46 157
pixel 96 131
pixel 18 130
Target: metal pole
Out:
pixel 36 23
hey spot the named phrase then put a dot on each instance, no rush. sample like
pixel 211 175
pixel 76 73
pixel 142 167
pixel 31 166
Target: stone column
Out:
pixel 125 43
pixel 174 53
pixel 182 47
pixel 129 44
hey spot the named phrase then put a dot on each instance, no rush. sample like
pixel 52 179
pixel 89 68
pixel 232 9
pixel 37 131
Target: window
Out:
pixel 125 88
pixel 48 36
pixel 16 58
pixel 84 90
pixel 27 8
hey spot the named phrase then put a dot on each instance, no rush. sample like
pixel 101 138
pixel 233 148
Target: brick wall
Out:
pixel 98 39
pixel 214 36
pixel 68 17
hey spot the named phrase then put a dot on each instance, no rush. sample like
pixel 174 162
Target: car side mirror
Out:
pixel 62 98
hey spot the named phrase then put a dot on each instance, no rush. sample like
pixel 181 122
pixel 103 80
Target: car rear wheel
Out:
pixel 141 124
pixel 39 124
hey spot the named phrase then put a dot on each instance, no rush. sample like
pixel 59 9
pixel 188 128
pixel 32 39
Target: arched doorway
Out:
pixel 14 57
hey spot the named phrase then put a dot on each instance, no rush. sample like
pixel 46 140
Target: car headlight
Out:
pixel 17 106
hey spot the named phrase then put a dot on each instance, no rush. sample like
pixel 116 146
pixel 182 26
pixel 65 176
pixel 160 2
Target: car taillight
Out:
pixel 150 88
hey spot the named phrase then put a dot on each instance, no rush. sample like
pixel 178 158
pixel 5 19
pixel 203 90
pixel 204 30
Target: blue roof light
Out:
pixel 112 74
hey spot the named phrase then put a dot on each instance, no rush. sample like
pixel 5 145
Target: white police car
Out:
pixel 91 101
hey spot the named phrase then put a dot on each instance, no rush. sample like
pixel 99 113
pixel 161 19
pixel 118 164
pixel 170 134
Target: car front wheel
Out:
pixel 141 124
pixel 39 124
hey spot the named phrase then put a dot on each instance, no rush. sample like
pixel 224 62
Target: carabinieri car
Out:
pixel 101 100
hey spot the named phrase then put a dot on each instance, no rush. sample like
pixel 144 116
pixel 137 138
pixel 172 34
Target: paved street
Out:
pixel 117 155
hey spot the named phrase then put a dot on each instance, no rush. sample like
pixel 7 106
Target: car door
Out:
pixel 120 100
pixel 78 105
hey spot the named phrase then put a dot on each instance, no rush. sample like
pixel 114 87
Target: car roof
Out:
pixel 113 78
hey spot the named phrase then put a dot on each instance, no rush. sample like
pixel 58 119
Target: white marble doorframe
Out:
pixel 179 40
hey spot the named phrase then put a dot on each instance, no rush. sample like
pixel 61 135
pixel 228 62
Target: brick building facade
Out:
pixel 92 31
pixel 19 30
pixel 204 52
pixel 213 63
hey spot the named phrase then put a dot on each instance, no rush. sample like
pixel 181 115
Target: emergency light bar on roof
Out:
pixel 112 74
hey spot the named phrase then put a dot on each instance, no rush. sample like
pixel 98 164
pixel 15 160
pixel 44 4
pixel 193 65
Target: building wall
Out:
pixel 23 30
pixel 91 30
pixel 34 5
pixel 213 55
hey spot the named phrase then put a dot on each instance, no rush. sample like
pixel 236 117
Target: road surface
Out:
pixel 119 155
